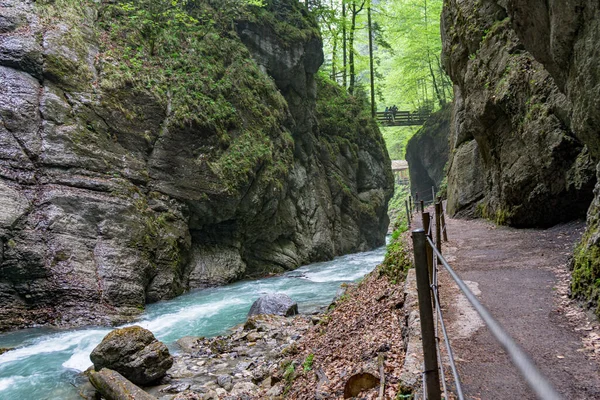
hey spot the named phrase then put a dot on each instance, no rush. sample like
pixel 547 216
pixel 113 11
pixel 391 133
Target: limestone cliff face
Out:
pixel 427 154
pixel 561 85
pixel 515 155
pixel 113 195
pixel 564 37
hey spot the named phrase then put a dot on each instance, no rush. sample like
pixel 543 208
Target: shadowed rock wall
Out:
pixel 564 37
pixel 515 155
pixel 561 82
pixel 427 154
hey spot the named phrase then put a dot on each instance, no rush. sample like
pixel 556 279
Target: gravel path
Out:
pixel 521 276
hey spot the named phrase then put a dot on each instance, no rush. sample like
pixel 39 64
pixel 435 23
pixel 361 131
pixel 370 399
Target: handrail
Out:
pixel 459 391
pixel 536 381
pixel 534 378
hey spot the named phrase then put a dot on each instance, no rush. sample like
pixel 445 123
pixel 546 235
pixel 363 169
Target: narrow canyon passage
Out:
pixel 521 277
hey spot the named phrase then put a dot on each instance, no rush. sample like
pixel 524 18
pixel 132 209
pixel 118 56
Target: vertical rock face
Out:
pixel 515 156
pixel 108 201
pixel 427 154
pixel 564 37
pixel 560 38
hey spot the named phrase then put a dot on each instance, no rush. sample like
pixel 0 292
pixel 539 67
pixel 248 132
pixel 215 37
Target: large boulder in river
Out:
pixel 133 352
pixel 274 303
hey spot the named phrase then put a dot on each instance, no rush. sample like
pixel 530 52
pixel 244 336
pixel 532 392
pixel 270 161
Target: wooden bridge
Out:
pixel 403 118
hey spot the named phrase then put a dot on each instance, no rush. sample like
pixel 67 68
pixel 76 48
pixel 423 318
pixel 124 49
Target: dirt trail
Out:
pixel 521 277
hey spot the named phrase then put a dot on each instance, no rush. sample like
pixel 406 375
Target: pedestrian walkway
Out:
pixel 521 277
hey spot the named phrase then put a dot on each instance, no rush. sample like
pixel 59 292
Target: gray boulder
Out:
pixel 274 303
pixel 133 352
pixel 113 386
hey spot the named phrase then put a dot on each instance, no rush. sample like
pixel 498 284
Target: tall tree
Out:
pixel 344 45
pixel 355 10
pixel 371 67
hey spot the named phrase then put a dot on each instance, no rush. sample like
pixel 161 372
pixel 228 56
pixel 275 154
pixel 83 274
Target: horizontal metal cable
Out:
pixel 459 391
pixel 536 381
pixel 437 325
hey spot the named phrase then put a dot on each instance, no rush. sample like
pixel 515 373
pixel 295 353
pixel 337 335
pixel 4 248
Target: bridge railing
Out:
pixel 428 255
pixel 402 117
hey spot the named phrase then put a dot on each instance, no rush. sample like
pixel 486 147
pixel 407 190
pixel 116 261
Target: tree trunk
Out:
pixel 113 386
pixel 344 47
pixel 355 12
pixel 371 68
pixel 435 85
pixel 351 45
pixel 333 57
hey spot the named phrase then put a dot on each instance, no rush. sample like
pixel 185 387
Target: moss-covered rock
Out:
pixel 138 167
pixel 514 157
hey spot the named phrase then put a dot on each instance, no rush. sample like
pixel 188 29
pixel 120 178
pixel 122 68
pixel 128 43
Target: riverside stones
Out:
pixel 113 386
pixel 274 303
pixel 237 370
pixel 135 353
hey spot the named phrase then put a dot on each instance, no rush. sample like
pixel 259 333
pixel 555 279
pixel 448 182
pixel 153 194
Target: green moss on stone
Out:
pixel 585 279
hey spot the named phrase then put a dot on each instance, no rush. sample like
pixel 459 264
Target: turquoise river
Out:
pixel 47 363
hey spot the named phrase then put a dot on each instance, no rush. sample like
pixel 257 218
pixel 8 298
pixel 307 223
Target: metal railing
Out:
pixel 425 197
pixel 428 254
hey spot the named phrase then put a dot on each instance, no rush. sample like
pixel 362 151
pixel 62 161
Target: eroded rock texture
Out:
pixel 427 154
pixel 109 201
pixel 554 98
pixel 516 157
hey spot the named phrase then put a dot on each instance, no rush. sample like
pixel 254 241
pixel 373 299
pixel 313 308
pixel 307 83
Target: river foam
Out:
pixel 46 364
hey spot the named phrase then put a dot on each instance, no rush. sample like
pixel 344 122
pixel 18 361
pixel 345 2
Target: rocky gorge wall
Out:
pixel 515 155
pixel 528 90
pixel 427 154
pixel 128 177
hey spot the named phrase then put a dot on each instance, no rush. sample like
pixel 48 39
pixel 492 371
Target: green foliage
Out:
pixel 153 20
pixel 413 75
pixel 397 203
pixel 397 260
pixel 406 49
pixel 289 375
pixel 585 279
pixel 289 21
pixel 396 138
pixel 308 362
pixel 500 216
pixel 341 114
pixel 187 55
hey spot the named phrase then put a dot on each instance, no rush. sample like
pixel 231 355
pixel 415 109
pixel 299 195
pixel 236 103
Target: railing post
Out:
pixel 410 203
pixel 422 206
pixel 407 212
pixel 444 230
pixel 433 194
pixel 438 229
pixel 427 226
pixel 432 377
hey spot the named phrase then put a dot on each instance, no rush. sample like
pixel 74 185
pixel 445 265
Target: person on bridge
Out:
pixel 394 110
pixel 387 115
